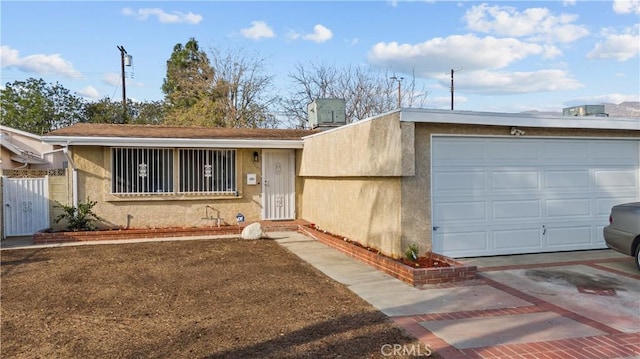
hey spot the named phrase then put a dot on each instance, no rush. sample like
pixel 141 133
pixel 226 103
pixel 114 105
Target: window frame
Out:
pixel 221 179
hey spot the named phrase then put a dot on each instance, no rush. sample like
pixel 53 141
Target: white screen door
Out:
pixel 278 184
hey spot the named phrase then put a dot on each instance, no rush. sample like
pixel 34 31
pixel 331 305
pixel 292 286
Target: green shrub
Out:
pixel 412 252
pixel 78 218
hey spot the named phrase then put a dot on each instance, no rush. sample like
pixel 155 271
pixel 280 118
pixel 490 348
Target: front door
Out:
pixel 278 184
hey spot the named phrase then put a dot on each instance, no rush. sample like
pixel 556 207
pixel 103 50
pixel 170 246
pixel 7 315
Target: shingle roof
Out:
pixel 157 131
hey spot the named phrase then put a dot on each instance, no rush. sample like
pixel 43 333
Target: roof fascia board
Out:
pixel 169 142
pixel 19 132
pixel 522 120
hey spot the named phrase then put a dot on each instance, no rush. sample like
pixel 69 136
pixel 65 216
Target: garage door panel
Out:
pixel 464 151
pixel 572 180
pixel 610 152
pixel 460 181
pixel 566 207
pixel 561 152
pixel 523 153
pixel 522 210
pixel 627 179
pixel 603 205
pixel 521 238
pixel 515 180
pixel 566 237
pixel 461 211
pixel 464 242
pixel 528 195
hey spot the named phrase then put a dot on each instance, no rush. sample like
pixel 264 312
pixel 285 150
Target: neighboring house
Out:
pixel 458 183
pixel 24 150
pixel 33 178
pixel 470 183
pixel 161 176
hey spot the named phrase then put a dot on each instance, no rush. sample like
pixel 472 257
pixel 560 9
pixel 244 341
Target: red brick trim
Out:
pixel 456 272
pixel 147 233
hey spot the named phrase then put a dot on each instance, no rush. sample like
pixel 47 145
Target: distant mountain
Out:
pixel 624 109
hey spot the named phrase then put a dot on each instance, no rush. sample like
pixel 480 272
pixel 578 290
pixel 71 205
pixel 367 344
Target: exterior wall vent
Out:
pixel 327 112
pixel 585 110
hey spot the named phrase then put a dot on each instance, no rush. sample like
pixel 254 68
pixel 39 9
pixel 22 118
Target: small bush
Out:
pixel 412 252
pixel 78 218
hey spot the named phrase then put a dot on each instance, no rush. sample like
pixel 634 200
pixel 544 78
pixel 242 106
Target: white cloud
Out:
pixel 112 79
pixel 163 17
pixel 257 31
pixel 89 92
pixel 39 64
pixel 626 6
pixel 619 46
pixel 442 102
pixel 535 23
pixel 507 83
pixel 568 2
pixel 320 34
pixel 439 54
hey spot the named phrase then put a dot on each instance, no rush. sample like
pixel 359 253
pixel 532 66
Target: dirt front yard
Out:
pixel 217 298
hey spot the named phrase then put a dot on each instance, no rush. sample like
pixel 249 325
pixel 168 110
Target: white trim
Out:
pixel 516 119
pixel 170 142
pixel 19 132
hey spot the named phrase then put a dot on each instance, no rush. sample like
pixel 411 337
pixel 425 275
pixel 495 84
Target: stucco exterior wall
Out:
pixel 350 181
pixel 60 191
pixel 416 190
pixel 372 148
pixel 364 209
pixel 164 210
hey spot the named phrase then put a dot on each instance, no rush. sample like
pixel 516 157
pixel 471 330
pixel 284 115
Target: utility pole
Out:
pixel 399 79
pixel 123 54
pixel 452 90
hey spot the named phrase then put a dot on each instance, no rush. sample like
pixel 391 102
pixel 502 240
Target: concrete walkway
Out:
pixel 508 312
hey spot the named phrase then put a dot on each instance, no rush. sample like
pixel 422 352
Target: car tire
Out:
pixel 638 256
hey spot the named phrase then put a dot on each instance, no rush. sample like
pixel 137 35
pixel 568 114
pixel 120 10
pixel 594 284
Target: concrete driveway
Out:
pixel 583 304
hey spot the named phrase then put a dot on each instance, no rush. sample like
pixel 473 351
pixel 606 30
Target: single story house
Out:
pixel 145 176
pixel 454 182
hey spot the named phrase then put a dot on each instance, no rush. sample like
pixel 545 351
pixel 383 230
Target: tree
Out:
pixel 107 111
pixel 188 87
pixel 37 107
pixel 229 91
pixel 367 93
pixel 241 80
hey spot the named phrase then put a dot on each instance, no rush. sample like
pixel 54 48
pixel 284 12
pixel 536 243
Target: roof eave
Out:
pixel 521 120
pixel 170 142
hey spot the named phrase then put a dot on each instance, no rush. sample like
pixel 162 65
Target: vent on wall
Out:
pixel 326 112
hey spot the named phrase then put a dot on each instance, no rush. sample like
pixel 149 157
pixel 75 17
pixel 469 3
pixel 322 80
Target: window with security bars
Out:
pixel 207 170
pixel 142 170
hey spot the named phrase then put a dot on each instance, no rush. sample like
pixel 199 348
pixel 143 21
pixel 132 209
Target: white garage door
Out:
pixel 495 196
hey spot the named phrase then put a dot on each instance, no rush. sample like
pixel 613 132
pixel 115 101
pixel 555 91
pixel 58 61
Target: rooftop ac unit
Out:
pixel 327 112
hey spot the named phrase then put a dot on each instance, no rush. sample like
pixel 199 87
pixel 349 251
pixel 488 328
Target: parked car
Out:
pixel 623 232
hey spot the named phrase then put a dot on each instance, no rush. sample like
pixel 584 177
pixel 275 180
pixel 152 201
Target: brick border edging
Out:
pixel 456 272
pixel 118 234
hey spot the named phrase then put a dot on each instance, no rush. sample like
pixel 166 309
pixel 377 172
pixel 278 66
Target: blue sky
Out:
pixel 508 56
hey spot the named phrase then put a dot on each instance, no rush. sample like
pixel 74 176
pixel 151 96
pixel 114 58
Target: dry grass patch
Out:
pixel 220 298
